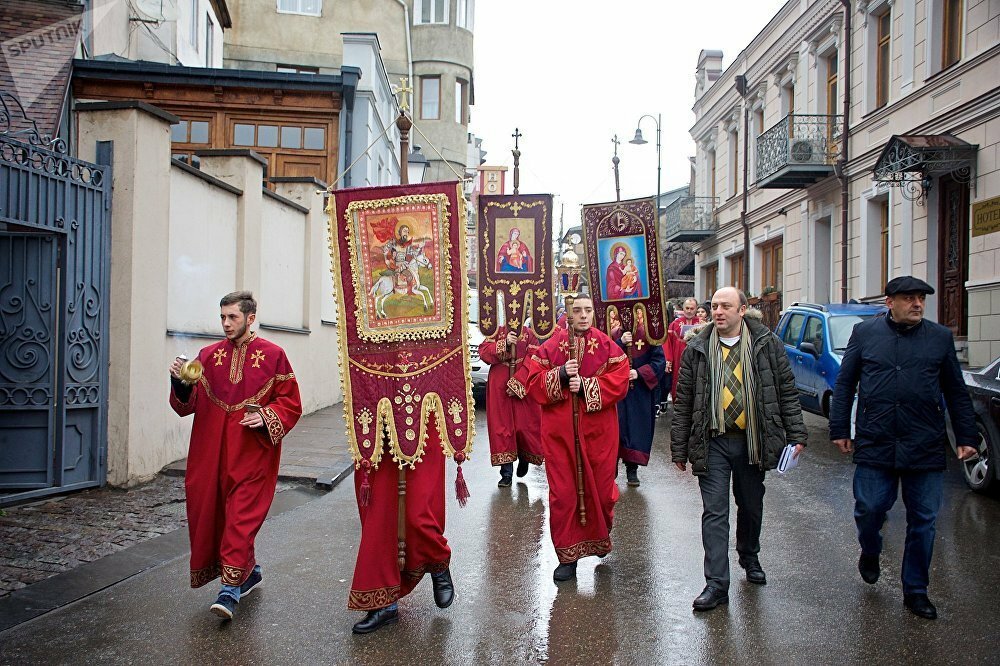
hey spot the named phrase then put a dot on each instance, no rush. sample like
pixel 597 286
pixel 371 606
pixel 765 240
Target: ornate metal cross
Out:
pixel 403 91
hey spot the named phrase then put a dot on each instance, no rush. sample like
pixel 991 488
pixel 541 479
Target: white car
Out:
pixel 480 370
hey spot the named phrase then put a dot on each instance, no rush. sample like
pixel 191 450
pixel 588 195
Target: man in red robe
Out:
pixel 675 341
pixel 244 404
pixel 378 581
pixel 579 375
pixel 513 422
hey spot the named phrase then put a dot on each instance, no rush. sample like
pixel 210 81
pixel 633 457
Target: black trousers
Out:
pixel 728 459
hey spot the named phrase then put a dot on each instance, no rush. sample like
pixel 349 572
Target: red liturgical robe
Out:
pixel 232 470
pixel 604 369
pixel 513 422
pixel 675 348
pixel 378 581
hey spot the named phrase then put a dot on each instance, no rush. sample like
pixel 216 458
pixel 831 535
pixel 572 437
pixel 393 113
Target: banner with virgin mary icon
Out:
pixel 623 268
pixel 399 263
pixel 515 263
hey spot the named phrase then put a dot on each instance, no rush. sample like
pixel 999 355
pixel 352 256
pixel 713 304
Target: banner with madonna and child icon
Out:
pixel 399 269
pixel 623 268
pixel 515 263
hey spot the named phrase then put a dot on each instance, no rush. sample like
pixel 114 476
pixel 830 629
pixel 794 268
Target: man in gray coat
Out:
pixel 736 409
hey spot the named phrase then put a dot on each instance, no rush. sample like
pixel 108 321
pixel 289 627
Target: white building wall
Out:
pixel 202 244
pixel 282 282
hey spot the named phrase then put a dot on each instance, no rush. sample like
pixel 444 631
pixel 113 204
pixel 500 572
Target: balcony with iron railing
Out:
pixel 799 151
pixel 691 219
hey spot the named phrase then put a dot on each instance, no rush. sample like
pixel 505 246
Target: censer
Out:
pixel 191 371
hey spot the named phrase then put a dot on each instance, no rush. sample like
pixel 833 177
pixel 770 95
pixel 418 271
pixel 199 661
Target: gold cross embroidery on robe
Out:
pixel 257 357
pixel 219 354
pixel 592 346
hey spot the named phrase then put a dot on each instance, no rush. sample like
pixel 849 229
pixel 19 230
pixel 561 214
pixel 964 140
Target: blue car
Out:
pixel 815 338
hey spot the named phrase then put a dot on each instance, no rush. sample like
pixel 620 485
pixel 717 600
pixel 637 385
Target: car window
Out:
pixel 841 328
pixel 794 329
pixel 473 305
pixel 814 332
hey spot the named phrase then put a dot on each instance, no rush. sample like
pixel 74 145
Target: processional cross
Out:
pixel 615 161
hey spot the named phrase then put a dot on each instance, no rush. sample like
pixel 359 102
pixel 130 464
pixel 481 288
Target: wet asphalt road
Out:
pixel 634 607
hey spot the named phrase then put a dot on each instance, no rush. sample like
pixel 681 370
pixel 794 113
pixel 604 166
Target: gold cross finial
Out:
pixel 403 91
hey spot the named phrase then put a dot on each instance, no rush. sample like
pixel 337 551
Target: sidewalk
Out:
pixel 60 549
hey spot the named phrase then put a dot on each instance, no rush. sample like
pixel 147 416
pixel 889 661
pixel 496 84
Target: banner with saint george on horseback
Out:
pixel 399 262
pixel 623 268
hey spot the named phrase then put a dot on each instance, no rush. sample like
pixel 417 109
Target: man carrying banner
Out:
pixel 513 422
pixel 577 376
pixel 244 403
pixel 637 412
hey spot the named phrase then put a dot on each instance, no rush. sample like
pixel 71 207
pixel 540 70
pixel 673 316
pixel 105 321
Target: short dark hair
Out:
pixel 244 299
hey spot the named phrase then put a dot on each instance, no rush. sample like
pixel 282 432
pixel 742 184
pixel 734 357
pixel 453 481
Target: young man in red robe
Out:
pixel 578 375
pixel 244 404
pixel 513 422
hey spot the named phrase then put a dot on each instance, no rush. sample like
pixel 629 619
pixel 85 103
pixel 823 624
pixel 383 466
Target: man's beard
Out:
pixel 239 333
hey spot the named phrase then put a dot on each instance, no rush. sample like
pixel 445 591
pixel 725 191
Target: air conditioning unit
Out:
pixel 802 151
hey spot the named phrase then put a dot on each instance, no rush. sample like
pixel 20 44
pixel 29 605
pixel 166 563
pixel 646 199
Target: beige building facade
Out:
pixel 922 177
pixel 429 42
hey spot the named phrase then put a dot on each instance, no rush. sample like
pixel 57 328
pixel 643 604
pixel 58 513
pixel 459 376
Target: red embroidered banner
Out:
pixel 623 267
pixel 399 265
pixel 515 262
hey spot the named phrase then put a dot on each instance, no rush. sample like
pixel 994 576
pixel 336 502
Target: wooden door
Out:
pixel 953 262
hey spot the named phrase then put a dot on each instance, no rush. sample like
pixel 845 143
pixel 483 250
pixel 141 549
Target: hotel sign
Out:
pixel 986 217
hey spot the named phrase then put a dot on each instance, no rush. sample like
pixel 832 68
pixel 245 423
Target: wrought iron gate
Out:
pixel 55 257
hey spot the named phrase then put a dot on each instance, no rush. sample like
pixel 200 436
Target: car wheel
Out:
pixel 979 472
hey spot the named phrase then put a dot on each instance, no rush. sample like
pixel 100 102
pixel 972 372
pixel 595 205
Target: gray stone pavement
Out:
pixel 632 608
pixel 55 535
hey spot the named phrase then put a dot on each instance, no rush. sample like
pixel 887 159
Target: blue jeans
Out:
pixel 875 491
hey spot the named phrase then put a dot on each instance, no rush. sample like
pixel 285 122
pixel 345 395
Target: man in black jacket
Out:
pixel 736 409
pixel 900 366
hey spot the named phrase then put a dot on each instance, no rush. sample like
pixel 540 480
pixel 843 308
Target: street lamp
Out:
pixel 639 141
pixel 416 164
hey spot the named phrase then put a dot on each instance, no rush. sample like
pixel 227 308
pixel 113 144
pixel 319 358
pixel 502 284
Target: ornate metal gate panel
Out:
pixel 54 279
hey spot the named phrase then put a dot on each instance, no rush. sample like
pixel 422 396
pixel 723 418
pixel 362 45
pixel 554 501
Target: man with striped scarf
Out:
pixel 736 409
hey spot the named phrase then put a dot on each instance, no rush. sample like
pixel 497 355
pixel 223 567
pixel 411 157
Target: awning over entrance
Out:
pixel 911 161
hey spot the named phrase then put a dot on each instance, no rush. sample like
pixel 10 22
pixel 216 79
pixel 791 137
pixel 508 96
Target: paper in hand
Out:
pixel 787 461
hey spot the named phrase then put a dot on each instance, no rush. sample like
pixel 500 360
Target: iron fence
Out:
pixel 691 214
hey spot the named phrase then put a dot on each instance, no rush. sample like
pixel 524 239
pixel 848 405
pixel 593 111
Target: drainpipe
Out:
pixel 409 47
pixel 845 196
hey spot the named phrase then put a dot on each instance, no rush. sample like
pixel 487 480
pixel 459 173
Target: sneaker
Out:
pixel 252 582
pixel 224 606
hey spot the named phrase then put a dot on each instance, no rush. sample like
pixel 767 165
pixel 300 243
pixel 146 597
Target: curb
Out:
pixel 67 587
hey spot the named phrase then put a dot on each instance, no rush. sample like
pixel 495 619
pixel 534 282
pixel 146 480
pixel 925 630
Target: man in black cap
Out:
pixel 900 366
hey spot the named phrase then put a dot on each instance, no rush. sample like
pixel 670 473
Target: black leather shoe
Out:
pixel 920 605
pixel 869 568
pixel 505 481
pixel 710 598
pixel 522 467
pixel 444 589
pixel 632 474
pixel 755 573
pixel 375 619
pixel 564 572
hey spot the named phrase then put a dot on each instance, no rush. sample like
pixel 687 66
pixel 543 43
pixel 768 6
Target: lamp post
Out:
pixel 639 141
pixel 743 88
pixel 416 165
